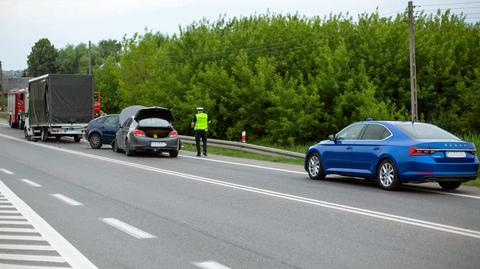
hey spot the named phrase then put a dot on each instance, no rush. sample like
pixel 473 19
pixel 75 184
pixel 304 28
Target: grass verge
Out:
pixel 244 154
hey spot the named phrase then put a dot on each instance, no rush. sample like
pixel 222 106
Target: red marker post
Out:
pixel 244 136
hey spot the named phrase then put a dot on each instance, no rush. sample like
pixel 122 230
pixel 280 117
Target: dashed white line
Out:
pixel 8 172
pixel 127 228
pixel 66 199
pixel 31 183
pixel 210 265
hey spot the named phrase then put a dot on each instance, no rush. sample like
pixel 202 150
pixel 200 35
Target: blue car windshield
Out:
pixel 426 131
pixel 154 122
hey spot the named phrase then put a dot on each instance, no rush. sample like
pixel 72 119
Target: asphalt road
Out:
pixel 216 212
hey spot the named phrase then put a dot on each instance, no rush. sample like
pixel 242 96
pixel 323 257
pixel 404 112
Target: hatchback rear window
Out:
pixel 154 122
pixel 425 131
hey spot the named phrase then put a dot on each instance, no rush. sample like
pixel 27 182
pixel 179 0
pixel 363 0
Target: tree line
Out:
pixel 289 79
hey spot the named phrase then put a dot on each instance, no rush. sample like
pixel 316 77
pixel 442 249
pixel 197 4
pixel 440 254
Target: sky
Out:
pixel 23 22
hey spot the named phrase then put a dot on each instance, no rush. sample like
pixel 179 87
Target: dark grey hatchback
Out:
pixel 149 129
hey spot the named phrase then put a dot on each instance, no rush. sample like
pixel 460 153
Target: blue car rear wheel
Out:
pixel 387 175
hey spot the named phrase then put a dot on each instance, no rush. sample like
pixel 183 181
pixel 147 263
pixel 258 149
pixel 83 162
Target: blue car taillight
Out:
pixel 420 151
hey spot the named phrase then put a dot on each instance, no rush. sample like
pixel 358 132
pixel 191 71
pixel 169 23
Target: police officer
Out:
pixel 200 126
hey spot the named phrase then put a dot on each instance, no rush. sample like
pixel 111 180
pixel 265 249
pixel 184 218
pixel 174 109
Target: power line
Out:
pixel 448 4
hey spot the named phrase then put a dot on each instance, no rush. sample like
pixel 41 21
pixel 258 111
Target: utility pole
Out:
pixel 413 66
pixel 89 57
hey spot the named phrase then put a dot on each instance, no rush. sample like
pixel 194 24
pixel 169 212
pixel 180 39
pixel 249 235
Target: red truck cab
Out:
pixel 16 108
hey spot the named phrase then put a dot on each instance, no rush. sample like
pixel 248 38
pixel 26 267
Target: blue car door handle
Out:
pixel 349 147
pixel 376 148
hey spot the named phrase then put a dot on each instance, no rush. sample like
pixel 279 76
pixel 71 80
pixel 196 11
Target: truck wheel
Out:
pixel 77 138
pixel 44 135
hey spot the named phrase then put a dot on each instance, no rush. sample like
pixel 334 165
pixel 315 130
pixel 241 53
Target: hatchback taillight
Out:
pixel 173 134
pixel 137 132
pixel 420 151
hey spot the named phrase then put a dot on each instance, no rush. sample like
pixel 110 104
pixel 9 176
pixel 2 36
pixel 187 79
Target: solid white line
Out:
pixel 21 237
pixel 127 228
pixel 446 193
pixel 245 164
pixel 29 247
pixel 38 258
pixel 210 265
pixel 60 244
pixel 325 204
pixel 6 171
pixel 31 183
pixel 66 199
pixel 19 230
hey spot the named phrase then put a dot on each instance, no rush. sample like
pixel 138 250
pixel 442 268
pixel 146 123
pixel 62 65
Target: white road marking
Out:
pixel 38 267
pixel 245 164
pixel 38 258
pixel 127 228
pixel 21 237
pixel 13 217
pixel 6 171
pixel 66 199
pixel 446 193
pixel 285 196
pixel 31 183
pixel 12 222
pixel 29 247
pixel 6 207
pixel 69 253
pixel 210 265
pixel 4 210
pixel 19 230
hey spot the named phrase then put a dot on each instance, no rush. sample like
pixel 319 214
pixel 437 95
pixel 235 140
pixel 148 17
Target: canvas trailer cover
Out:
pixel 58 99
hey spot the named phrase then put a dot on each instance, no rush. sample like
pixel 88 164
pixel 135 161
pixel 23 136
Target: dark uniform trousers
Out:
pixel 201 134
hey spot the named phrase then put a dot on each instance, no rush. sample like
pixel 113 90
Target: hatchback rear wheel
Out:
pixel 449 185
pixel 387 176
pixel 314 167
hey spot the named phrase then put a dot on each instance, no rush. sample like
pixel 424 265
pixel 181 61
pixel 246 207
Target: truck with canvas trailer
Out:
pixel 58 105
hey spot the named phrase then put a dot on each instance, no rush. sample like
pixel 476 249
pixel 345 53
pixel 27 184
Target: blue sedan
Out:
pixel 393 152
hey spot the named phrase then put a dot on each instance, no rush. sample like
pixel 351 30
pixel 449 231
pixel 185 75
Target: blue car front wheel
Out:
pixel 314 167
pixel 387 175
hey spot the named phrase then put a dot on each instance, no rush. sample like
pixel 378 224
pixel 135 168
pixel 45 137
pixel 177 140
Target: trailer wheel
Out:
pixel 44 135
pixel 77 138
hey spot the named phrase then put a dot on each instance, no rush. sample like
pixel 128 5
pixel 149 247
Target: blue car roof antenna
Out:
pixel 369 119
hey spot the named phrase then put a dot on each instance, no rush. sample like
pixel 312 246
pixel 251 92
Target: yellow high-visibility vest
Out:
pixel 202 122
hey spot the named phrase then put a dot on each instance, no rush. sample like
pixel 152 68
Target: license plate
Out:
pixel 158 144
pixel 455 154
